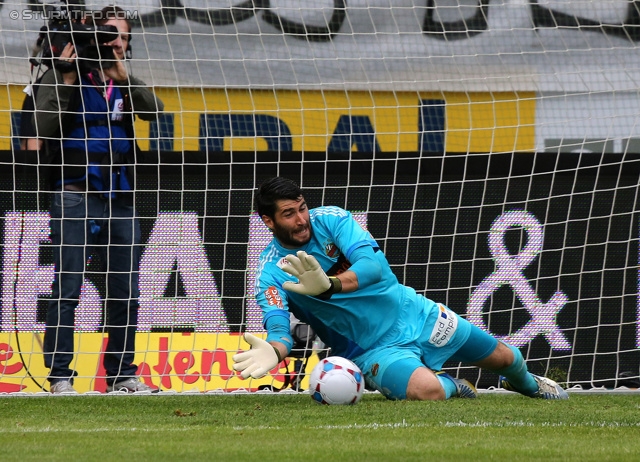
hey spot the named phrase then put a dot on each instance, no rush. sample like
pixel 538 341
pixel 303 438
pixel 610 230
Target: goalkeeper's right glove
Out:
pixel 260 359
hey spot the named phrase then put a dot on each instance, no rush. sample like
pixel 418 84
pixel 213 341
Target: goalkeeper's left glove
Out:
pixel 260 359
pixel 312 280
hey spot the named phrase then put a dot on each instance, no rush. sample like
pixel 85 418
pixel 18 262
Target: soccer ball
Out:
pixel 336 380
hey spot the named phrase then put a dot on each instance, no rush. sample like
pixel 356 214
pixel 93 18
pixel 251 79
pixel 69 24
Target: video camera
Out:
pixel 86 39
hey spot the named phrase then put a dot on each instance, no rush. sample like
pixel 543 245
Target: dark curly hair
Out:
pixel 273 190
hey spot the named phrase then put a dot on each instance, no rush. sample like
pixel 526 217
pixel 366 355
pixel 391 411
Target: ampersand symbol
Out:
pixel 509 272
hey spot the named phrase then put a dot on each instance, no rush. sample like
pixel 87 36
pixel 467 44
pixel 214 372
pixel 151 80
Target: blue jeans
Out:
pixel 81 224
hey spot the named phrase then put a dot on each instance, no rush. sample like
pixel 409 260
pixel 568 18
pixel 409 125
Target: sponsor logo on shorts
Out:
pixel 273 297
pixel 374 369
pixel 445 326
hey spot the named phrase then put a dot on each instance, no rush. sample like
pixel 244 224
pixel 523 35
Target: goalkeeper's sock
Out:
pixel 450 388
pixel 518 375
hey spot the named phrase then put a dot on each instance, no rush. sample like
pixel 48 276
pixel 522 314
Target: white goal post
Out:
pixel 492 147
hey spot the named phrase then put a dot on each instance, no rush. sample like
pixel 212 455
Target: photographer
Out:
pixel 84 113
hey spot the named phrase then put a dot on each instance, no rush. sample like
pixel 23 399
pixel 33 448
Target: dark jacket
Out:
pixel 59 116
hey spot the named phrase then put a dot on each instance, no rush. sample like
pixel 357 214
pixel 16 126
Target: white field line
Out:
pixel 355 426
pixel 288 392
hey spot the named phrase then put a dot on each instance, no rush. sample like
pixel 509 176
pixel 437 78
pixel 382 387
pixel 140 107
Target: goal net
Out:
pixel 491 147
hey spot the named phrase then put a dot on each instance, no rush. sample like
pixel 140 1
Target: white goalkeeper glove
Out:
pixel 312 280
pixel 260 359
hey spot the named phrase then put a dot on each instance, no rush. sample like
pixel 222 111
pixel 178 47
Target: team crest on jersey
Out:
pixel 282 262
pixel 273 297
pixel 331 250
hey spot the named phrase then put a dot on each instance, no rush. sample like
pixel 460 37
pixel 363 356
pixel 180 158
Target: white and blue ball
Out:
pixel 336 380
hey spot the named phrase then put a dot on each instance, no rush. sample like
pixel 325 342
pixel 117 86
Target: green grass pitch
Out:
pixel 290 427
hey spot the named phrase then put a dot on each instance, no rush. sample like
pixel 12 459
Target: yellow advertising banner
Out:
pixel 258 120
pixel 180 362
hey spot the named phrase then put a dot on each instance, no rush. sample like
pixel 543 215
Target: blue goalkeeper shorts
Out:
pixel 388 368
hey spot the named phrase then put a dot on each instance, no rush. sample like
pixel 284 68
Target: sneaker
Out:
pixel 464 388
pixel 547 388
pixel 132 385
pixel 62 386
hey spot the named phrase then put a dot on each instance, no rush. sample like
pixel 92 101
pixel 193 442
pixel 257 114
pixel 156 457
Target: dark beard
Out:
pixel 285 238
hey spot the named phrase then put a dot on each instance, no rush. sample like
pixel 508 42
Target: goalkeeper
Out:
pixel 331 274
